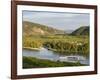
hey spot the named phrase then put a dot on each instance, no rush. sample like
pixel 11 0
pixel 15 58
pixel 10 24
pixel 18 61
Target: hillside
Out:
pixel 30 28
pixel 84 30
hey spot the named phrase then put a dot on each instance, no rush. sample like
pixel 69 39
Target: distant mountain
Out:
pixel 69 31
pixel 84 30
pixel 30 28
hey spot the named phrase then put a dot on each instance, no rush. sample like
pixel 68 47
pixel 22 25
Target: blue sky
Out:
pixel 59 20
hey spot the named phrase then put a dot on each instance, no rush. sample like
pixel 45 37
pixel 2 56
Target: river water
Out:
pixel 50 55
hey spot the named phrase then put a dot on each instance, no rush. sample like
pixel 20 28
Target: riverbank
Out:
pixel 32 62
pixel 30 48
pixel 68 52
pixel 65 52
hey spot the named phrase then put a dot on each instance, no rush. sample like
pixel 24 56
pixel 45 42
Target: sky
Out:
pixel 58 20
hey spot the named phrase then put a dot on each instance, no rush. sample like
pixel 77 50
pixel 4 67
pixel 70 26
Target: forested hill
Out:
pixel 30 28
pixel 84 30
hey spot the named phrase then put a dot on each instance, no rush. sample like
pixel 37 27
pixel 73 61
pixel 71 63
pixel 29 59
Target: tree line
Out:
pixel 64 46
pixel 58 45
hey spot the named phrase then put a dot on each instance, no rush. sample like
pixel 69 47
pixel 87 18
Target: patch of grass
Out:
pixel 31 62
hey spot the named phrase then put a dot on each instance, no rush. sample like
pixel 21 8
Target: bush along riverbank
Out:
pixel 31 62
pixel 68 44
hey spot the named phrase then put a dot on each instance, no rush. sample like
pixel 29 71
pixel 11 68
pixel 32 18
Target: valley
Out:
pixel 37 36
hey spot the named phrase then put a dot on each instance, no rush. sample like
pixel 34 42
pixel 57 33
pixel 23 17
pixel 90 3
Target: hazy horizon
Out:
pixel 58 20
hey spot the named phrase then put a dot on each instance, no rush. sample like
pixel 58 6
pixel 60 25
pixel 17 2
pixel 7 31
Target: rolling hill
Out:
pixel 84 30
pixel 30 28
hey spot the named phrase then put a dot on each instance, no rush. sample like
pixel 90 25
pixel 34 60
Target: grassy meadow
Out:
pixel 32 62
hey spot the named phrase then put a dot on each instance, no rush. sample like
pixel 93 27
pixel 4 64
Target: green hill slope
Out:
pixel 30 28
pixel 84 30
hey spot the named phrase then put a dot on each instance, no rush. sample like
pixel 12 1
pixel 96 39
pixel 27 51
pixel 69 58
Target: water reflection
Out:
pixel 55 56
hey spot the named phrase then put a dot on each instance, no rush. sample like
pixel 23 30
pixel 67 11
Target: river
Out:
pixel 44 53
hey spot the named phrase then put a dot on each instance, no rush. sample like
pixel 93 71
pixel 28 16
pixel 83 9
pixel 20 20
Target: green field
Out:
pixel 31 62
